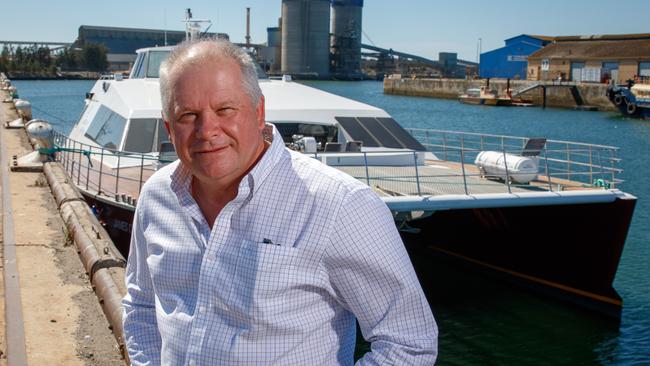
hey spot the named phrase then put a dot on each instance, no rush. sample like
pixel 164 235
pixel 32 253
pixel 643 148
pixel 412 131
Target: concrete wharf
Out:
pixel 52 315
pixel 551 94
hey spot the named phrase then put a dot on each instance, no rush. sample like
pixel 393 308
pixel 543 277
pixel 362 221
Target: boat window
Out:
pixel 322 133
pixel 474 92
pixel 140 136
pixel 106 128
pixel 153 64
pixel 137 67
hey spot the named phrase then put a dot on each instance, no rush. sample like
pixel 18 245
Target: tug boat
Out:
pixel 548 213
pixel 633 99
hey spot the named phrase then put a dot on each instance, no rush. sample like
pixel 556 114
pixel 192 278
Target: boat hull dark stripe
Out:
pixel 574 249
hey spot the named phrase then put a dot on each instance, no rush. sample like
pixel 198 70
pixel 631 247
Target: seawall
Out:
pixel 591 94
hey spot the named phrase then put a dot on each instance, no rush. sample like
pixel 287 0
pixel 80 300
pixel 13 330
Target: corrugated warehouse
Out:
pixel 598 58
pixel 510 61
pixel 123 42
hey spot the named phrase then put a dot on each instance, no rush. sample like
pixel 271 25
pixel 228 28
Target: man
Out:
pixel 244 252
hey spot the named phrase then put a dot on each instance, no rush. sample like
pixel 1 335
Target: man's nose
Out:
pixel 207 125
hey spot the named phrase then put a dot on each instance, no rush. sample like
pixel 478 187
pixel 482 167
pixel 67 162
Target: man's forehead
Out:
pixel 201 62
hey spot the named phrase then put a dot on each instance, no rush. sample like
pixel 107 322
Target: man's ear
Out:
pixel 169 131
pixel 261 113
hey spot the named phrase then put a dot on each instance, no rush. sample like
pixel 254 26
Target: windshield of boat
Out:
pixel 291 131
pixel 147 65
pixel 106 128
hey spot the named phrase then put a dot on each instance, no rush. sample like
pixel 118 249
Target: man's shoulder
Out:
pixel 318 174
pixel 160 180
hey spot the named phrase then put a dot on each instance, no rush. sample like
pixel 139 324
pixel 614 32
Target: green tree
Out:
pixel 94 56
pixel 43 57
pixel 5 59
pixel 18 59
pixel 67 59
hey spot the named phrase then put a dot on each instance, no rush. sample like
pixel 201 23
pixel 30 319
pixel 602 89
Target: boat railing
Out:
pixel 563 164
pixel 85 166
pixel 447 167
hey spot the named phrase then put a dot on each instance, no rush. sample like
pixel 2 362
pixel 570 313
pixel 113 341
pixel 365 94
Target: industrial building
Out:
pixel 346 38
pixel 510 61
pixel 598 58
pixel 272 54
pixel 122 43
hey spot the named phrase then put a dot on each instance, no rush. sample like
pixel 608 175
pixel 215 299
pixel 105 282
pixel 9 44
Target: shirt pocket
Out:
pixel 269 258
pixel 268 271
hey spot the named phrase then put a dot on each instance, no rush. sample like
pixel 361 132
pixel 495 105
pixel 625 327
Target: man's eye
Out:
pixel 225 111
pixel 187 117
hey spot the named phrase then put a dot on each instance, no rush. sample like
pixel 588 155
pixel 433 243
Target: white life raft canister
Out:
pixel 521 169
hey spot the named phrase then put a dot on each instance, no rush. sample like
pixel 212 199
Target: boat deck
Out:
pixel 436 177
pixel 562 166
pixel 443 177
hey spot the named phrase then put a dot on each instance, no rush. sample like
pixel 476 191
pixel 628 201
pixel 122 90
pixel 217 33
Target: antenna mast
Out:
pixel 193 26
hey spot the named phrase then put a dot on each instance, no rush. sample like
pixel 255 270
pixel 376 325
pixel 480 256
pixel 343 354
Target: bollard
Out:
pixel 24 109
pixel 42 134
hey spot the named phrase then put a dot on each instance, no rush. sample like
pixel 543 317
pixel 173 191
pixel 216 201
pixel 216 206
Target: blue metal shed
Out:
pixel 511 60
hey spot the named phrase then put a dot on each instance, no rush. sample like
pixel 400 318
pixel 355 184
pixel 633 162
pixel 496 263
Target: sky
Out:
pixel 421 27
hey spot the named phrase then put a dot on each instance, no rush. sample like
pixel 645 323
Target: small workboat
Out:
pixel 484 96
pixel 633 99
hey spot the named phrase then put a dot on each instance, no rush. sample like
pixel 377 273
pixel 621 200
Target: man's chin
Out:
pixel 210 173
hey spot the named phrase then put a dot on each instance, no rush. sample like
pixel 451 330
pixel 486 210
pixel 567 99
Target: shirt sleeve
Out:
pixel 141 333
pixel 371 272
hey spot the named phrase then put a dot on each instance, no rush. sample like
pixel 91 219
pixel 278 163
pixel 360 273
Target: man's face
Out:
pixel 214 125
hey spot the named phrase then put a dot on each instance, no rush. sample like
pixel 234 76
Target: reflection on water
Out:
pixel 485 320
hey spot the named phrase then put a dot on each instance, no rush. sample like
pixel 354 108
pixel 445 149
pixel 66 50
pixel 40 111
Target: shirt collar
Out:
pixel 265 165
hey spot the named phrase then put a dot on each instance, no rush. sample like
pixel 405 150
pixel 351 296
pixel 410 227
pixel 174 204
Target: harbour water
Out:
pixel 483 320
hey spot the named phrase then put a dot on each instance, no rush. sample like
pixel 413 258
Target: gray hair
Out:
pixel 207 49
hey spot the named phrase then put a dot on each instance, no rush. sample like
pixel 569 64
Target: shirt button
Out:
pixel 192 363
pixel 201 309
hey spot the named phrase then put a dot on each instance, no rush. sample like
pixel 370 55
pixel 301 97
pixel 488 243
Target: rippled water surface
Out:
pixel 484 321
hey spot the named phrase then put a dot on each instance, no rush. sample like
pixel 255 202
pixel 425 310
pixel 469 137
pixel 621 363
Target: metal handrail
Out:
pixel 446 132
pixel 562 164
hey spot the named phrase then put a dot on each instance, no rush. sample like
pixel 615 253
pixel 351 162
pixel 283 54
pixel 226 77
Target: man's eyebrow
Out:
pixel 228 102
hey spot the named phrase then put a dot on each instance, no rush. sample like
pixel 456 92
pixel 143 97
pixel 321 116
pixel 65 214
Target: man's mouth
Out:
pixel 211 150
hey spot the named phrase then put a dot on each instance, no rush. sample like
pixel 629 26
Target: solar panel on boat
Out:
pixel 380 133
pixel 400 134
pixel 357 131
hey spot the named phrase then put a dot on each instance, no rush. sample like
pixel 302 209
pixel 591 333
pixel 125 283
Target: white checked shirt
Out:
pixel 280 277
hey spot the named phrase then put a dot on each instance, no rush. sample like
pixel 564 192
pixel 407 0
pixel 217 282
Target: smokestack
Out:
pixel 248 27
